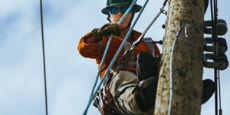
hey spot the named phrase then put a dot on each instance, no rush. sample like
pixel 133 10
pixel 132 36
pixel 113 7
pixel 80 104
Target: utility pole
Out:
pixel 187 62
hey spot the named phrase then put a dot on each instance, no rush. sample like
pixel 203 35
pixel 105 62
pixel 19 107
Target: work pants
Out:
pixel 128 97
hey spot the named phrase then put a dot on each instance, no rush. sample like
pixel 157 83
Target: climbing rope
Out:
pixel 135 43
pixel 44 62
pixel 171 79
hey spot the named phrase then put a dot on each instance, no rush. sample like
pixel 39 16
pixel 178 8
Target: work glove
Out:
pixel 105 107
pixel 106 30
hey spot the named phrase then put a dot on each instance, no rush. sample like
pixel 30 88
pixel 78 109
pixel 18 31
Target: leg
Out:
pixel 124 83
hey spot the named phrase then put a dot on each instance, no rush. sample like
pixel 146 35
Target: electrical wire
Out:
pixel 170 69
pixel 214 37
pixel 44 62
pixel 220 110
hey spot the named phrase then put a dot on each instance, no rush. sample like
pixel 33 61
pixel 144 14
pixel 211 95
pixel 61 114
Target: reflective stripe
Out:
pixel 130 64
pixel 127 45
pixel 101 45
pixel 151 47
pixel 132 61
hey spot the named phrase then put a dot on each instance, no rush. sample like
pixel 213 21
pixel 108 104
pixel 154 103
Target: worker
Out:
pixel 122 94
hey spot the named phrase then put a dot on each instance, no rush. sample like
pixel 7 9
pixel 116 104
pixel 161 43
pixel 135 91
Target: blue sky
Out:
pixel 70 77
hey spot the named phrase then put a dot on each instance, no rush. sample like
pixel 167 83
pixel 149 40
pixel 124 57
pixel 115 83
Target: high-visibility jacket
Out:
pixel 96 50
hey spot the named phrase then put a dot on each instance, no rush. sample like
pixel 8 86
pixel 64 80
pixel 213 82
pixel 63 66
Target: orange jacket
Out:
pixel 92 50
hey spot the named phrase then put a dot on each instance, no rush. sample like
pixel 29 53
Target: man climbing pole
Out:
pixel 123 94
pixel 92 46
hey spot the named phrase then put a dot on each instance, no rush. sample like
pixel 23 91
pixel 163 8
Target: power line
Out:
pixel 44 62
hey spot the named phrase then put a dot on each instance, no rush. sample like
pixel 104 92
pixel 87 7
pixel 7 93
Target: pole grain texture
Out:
pixel 187 62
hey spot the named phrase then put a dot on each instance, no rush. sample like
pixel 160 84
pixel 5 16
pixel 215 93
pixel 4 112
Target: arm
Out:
pixel 90 39
pixel 88 46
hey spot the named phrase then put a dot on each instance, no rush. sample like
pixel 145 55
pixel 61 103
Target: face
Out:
pixel 116 17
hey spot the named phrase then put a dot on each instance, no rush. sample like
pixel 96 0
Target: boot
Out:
pixel 147 68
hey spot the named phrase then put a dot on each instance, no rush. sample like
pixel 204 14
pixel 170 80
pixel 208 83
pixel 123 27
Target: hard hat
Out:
pixel 109 3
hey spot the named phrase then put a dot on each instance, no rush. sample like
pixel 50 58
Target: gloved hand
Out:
pixel 106 30
pixel 103 107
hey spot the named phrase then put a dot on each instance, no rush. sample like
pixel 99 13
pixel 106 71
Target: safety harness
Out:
pixel 131 63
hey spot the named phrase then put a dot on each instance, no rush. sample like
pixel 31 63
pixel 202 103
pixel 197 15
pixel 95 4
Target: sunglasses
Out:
pixel 115 10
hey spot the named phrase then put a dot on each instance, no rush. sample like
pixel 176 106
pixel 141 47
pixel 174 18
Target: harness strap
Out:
pixel 144 83
pixel 132 61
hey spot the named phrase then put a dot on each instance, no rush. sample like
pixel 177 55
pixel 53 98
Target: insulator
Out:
pixel 221 27
pixel 207 30
pixel 220 62
pixel 221 45
pixel 208 23
pixel 220 57
pixel 221 39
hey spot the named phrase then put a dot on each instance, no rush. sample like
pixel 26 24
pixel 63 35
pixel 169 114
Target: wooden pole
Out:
pixel 187 62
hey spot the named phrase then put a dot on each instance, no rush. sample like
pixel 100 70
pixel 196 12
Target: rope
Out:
pixel 44 62
pixel 135 43
pixel 128 53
